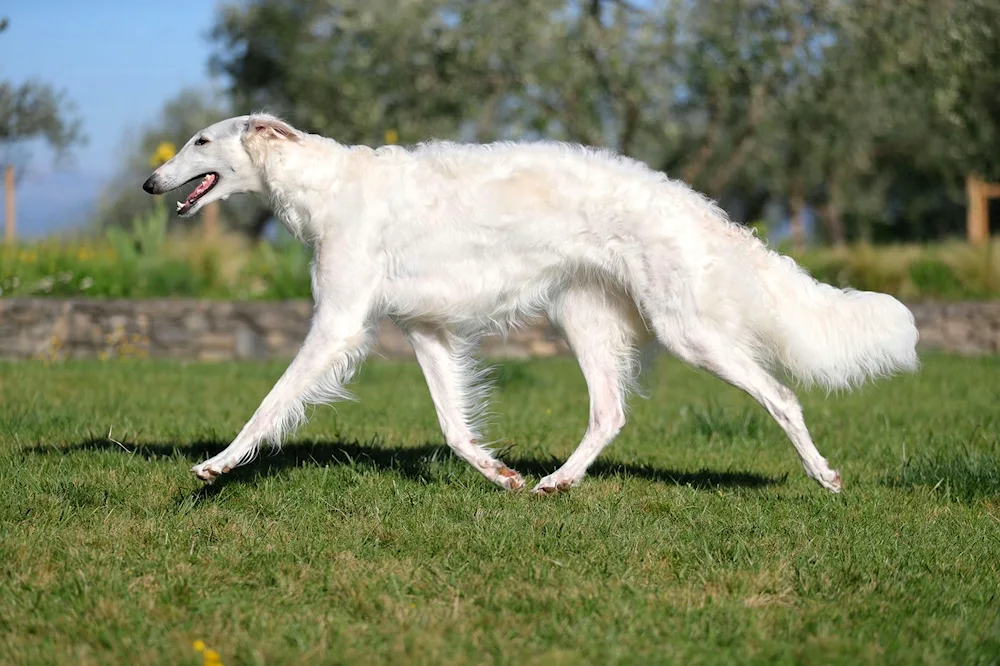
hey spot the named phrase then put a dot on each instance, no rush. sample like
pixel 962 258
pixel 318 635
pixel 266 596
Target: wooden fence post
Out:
pixel 979 194
pixel 211 219
pixel 977 222
pixel 10 220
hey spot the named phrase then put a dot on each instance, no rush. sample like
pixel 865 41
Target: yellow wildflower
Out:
pixel 209 657
pixel 391 136
pixel 163 153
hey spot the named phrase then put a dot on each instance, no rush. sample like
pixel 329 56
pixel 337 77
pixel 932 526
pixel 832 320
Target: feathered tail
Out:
pixel 837 338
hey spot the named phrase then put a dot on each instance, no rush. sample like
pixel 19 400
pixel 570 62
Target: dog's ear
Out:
pixel 268 127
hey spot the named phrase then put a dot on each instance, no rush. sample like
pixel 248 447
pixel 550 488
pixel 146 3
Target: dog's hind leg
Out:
pixel 457 390
pixel 601 329
pixel 702 346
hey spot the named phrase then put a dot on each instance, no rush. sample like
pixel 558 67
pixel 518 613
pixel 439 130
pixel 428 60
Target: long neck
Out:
pixel 304 180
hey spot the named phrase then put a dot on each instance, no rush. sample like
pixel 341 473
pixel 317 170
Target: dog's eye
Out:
pixel 201 141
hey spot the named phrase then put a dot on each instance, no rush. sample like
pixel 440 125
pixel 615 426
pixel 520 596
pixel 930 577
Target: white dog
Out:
pixel 456 241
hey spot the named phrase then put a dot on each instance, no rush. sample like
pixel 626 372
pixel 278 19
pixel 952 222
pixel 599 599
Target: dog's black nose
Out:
pixel 150 185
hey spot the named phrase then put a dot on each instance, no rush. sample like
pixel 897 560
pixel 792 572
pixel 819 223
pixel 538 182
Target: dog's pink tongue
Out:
pixel 202 186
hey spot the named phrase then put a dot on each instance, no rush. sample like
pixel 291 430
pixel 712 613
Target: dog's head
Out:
pixel 219 155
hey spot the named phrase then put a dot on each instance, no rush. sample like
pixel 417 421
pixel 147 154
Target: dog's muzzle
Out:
pixel 151 186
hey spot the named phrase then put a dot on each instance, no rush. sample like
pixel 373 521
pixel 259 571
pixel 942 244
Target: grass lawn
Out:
pixel 697 538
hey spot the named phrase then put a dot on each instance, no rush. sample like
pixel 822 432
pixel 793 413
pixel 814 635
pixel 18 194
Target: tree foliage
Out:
pixel 34 110
pixel 868 112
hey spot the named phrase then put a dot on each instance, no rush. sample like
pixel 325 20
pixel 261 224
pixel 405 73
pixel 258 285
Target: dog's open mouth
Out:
pixel 208 182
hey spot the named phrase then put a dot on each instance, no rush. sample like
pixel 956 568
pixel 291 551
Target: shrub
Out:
pixel 147 262
pixel 951 270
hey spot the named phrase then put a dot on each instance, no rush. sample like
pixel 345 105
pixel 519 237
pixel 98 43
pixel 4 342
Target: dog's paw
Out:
pixel 508 479
pixel 552 486
pixel 210 470
pixel 830 480
pixel 500 474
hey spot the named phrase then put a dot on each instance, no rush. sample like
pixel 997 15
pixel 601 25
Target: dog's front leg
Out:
pixel 337 341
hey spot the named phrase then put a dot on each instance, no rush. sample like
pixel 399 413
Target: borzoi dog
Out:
pixel 456 241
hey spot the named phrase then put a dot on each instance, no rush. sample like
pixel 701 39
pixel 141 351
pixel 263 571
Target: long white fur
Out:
pixel 457 241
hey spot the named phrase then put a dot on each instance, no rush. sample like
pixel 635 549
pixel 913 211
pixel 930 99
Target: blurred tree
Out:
pixel 190 111
pixel 903 107
pixel 352 69
pixel 601 72
pixel 870 112
pixel 681 84
pixel 814 144
pixel 34 110
pixel 941 63
pixel 748 66
pixel 880 112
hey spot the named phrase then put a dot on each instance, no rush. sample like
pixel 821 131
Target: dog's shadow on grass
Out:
pixel 412 462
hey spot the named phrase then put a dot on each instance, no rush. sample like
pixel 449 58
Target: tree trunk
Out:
pixel 834 222
pixel 831 212
pixel 10 225
pixel 797 203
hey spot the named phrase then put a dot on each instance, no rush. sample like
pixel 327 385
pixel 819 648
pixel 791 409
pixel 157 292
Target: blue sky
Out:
pixel 118 61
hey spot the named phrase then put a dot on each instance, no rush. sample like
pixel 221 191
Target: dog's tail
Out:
pixel 833 337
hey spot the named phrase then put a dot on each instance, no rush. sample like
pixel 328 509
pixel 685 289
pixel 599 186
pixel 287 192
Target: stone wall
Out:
pixel 962 328
pixel 222 330
pixel 196 329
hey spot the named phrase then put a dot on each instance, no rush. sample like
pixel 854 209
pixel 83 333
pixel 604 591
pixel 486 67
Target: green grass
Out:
pixel 697 539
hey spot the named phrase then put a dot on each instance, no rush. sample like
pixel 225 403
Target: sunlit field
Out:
pixel 697 537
